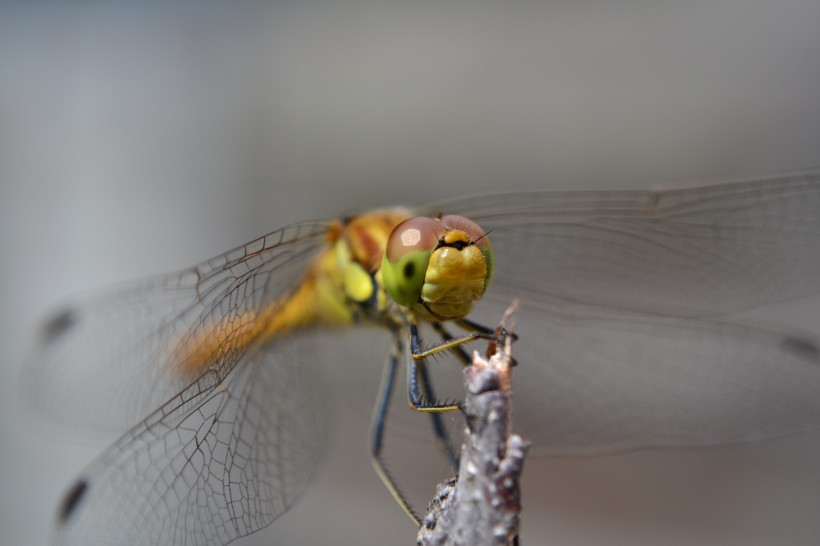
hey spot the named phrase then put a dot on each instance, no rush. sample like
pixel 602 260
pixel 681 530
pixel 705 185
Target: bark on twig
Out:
pixel 481 506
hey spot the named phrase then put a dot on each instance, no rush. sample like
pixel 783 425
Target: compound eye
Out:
pixel 408 252
pixel 473 231
pixel 412 235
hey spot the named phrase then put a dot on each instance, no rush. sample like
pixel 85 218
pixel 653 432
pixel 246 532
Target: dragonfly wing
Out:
pixel 592 380
pixel 108 361
pixel 215 463
pixel 696 252
pixel 624 335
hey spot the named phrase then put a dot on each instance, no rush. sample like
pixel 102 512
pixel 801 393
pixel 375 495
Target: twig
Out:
pixel 481 506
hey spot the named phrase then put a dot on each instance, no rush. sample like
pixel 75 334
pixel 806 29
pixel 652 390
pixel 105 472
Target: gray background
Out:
pixel 137 138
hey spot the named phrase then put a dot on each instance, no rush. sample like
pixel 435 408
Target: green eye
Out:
pixel 405 260
pixel 404 279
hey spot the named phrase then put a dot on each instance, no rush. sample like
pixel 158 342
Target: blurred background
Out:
pixel 142 137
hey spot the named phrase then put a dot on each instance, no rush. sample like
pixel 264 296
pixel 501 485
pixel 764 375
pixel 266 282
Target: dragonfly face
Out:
pixel 438 267
pixel 628 339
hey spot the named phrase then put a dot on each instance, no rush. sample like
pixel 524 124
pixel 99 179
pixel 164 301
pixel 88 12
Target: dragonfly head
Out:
pixel 437 266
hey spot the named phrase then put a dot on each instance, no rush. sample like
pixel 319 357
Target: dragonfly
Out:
pixel 628 338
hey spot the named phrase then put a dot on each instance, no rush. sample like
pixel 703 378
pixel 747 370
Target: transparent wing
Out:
pixel 625 333
pixel 215 463
pixel 108 361
pixel 696 252
pixel 619 333
pixel 593 380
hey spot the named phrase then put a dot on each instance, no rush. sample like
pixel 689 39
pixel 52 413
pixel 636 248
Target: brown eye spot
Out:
pixel 409 270
pixel 414 234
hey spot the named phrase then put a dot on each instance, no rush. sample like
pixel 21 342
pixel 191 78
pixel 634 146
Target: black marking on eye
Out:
pixel 72 500
pixel 801 347
pixel 59 324
pixel 409 270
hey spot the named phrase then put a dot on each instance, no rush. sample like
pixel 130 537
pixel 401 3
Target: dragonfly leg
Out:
pixel 471 326
pixel 415 371
pixel 486 332
pixel 450 343
pixel 378 425
pixel 440 431
pixel 459 351
pixel 446 345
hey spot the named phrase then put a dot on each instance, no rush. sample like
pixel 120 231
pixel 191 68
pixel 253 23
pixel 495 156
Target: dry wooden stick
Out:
pixel 482 505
